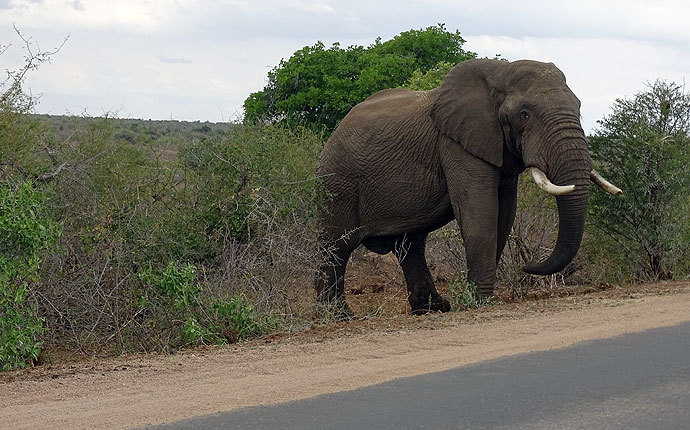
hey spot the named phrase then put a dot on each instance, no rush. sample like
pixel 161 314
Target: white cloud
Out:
pixel 315 7
pixel 174 60
pixel 193 58
pixel 632 19
pixel 97 15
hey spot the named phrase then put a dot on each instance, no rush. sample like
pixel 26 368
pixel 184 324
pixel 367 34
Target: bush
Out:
pixel 21 136
pixel 644 146
pixel 27 232
pixel 238 206
pixel 207 320
pixel 27 228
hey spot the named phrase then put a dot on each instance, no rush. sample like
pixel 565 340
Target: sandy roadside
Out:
pixel 135 391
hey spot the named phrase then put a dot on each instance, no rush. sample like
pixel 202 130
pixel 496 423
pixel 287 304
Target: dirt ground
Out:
pixel 134 391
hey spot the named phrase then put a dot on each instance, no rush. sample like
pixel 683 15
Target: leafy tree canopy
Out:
pixel 317 86
pixel 644 147
pixel 422 81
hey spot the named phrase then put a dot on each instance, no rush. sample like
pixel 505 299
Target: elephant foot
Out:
pixel 484 293
pixel 436 304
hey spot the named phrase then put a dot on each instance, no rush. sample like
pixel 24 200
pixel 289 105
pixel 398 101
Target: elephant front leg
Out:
pixel 476 208
pixel 473 188
pixel 480 249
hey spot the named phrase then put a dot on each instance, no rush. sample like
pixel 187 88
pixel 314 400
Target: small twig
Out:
pixel 50 154
pixel 48 176
pixel 119 329
pixel 226 161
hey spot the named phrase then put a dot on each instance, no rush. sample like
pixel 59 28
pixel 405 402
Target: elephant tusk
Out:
pixel 547 186
pixel 604 184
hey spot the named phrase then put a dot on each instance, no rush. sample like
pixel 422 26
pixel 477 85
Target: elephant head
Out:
pixel 521 115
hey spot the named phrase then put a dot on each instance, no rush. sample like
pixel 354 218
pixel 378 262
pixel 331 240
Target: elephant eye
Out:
pixel 525 115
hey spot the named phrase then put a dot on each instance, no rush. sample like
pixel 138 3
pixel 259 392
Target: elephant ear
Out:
pixel 466 109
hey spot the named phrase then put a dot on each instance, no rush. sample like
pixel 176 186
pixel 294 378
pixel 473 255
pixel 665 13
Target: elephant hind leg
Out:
pixel 330 279
pixel 422 294
pixel 330 276
pixel 341 234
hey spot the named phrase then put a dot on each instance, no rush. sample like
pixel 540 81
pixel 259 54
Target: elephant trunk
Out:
pixel 572 211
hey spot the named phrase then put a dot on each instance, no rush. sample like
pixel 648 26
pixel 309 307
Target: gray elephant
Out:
pixel 404 163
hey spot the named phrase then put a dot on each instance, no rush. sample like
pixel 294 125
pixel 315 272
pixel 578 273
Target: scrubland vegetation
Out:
pixel 127 235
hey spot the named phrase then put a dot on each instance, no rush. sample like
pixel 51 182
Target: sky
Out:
pixel 200 59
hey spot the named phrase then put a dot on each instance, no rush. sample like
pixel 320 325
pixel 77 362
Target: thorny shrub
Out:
pixel 207 320
pixel 238 206
pixel 27 227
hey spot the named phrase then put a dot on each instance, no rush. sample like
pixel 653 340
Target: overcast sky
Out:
pixel 199 59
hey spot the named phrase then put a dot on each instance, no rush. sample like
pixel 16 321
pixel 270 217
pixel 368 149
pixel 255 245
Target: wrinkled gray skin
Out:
pixel 404 163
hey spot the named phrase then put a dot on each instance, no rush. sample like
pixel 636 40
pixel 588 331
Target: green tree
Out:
pixel 317 86
pixel 644 146
pixel 422 81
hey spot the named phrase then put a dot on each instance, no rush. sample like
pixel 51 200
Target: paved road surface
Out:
pixel 636 381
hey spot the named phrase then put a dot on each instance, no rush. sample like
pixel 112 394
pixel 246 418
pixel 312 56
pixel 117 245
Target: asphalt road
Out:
pixel 636 381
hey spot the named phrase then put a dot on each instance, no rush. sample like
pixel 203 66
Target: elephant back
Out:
pixel 379 129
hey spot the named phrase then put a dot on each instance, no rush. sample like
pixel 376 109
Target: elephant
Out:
pixel 404 163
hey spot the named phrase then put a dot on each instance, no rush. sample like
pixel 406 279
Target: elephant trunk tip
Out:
pixel 542 268
pixel 571 221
